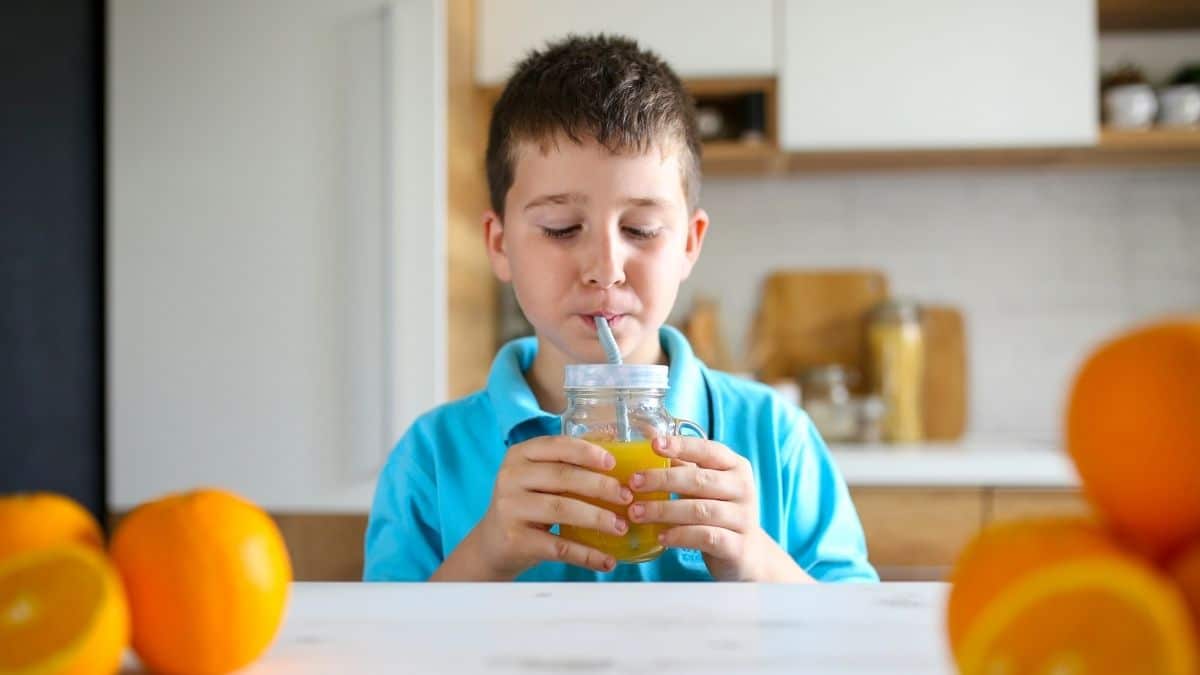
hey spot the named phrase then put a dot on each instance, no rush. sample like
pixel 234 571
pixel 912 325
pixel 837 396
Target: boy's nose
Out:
pixel 604 264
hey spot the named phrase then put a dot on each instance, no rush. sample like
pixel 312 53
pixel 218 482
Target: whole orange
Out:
pixel 1133 430
pixel 207 576
pixel 33 520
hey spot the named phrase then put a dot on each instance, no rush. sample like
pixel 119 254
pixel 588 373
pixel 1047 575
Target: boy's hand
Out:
pixel 530 495
pixel 717 511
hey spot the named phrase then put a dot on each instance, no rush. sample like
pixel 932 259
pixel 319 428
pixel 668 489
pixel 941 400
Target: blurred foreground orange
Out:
pixel 207 577
pixel 1059 596
pixel 62 611
pixel 1186 572
pixel 1133 430
pixel 34 520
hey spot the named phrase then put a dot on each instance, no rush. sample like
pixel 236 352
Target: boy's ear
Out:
pixel 493 236
pixel 697 228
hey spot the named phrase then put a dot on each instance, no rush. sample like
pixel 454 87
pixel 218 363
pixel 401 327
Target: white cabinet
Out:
pixel 276 217
pixel 874 74
pixel 699 38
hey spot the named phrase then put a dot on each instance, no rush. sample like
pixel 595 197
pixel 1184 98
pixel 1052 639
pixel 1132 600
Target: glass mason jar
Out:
pixel 897 350
pixel 826 394
pixel 620 408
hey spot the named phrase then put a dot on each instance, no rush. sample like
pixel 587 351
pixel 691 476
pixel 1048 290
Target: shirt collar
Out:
pixel 515 404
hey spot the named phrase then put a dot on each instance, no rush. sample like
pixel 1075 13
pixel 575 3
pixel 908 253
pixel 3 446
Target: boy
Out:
pixel 593 169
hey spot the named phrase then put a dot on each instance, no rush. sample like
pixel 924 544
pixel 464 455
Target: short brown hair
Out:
pixel 603 87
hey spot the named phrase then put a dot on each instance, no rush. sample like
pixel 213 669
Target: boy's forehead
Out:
pixel 559 159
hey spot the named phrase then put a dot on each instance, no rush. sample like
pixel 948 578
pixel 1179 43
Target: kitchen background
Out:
pixel 291 267
pixel 1041 263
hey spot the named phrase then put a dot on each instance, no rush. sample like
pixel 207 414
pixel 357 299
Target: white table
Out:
pixel 611 628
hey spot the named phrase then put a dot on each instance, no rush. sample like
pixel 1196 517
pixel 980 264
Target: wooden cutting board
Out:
pixel 808 318
pixel 944 404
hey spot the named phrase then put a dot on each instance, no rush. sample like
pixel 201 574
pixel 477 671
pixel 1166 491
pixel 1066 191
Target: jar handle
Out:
pixel 681 424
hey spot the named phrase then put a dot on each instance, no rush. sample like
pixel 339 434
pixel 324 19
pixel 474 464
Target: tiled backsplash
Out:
pixel 1043 263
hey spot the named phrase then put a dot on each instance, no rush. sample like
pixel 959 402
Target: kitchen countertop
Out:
pixel 610 628
pixel 970 463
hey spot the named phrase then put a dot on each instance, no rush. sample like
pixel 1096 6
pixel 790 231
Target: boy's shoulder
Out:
pixel 749 402
pixel 741 394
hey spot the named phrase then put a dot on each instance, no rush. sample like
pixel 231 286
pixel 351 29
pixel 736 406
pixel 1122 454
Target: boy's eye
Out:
pixel 641 232
pixel 561 232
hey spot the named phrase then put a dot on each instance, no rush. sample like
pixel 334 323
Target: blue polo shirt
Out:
pixel 437 483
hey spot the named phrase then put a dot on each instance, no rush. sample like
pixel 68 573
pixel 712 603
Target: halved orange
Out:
pixel 62 611
pixel 1059 596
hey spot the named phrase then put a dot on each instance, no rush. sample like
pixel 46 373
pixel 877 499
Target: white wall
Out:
pixel 229 144
pixel 1043 263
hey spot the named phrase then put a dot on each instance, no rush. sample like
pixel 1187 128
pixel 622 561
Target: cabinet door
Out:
pixel 863 74
pixel 699 38
pixel 1013 503
pixel 916 533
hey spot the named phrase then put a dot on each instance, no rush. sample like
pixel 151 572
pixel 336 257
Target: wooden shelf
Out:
pixel 1171 140
pixel 731 158
pixel 1154 147
pixel 1142 15
pixel 1151 148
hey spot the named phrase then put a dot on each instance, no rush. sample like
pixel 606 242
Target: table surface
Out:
pixel 610 628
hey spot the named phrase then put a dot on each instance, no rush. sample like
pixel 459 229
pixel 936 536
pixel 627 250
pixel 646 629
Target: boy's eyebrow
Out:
pixel 643 201
pixel 560 198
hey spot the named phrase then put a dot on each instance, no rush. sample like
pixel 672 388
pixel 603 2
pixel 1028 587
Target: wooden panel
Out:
pixel 944 402
pixel 472 312
pixel 1009 504
pixel 918 527
pixel 324 547
pixel 813 318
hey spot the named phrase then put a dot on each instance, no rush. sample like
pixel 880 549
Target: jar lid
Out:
pixel 897 310
pixel 613 376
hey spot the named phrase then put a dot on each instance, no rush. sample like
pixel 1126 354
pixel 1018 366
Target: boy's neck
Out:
pixel 545 376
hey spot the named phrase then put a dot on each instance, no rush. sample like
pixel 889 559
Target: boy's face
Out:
pixel 585 233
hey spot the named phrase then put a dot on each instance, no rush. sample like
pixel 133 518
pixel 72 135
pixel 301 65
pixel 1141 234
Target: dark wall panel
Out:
pixel 51 248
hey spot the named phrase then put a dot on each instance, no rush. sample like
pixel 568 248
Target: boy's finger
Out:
pixel 726 515
pixel 550 547
pixel 715 541
pixel 570 450
pixel 691 481
pixel 558 478
pixel 708 454
pixel 544 509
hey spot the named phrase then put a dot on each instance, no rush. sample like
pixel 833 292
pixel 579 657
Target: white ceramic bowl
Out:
pixel 1180 105
pixel 1130 106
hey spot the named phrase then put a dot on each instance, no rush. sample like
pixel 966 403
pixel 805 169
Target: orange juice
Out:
pixel 640 542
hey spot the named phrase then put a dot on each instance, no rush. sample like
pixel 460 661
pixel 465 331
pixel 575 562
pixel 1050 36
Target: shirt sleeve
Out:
pixel 402 542
pixel 823 532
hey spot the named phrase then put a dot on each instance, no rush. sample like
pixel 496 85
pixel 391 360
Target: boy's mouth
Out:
pixel 590 319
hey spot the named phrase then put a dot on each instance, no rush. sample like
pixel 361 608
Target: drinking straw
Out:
pixel 613 353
